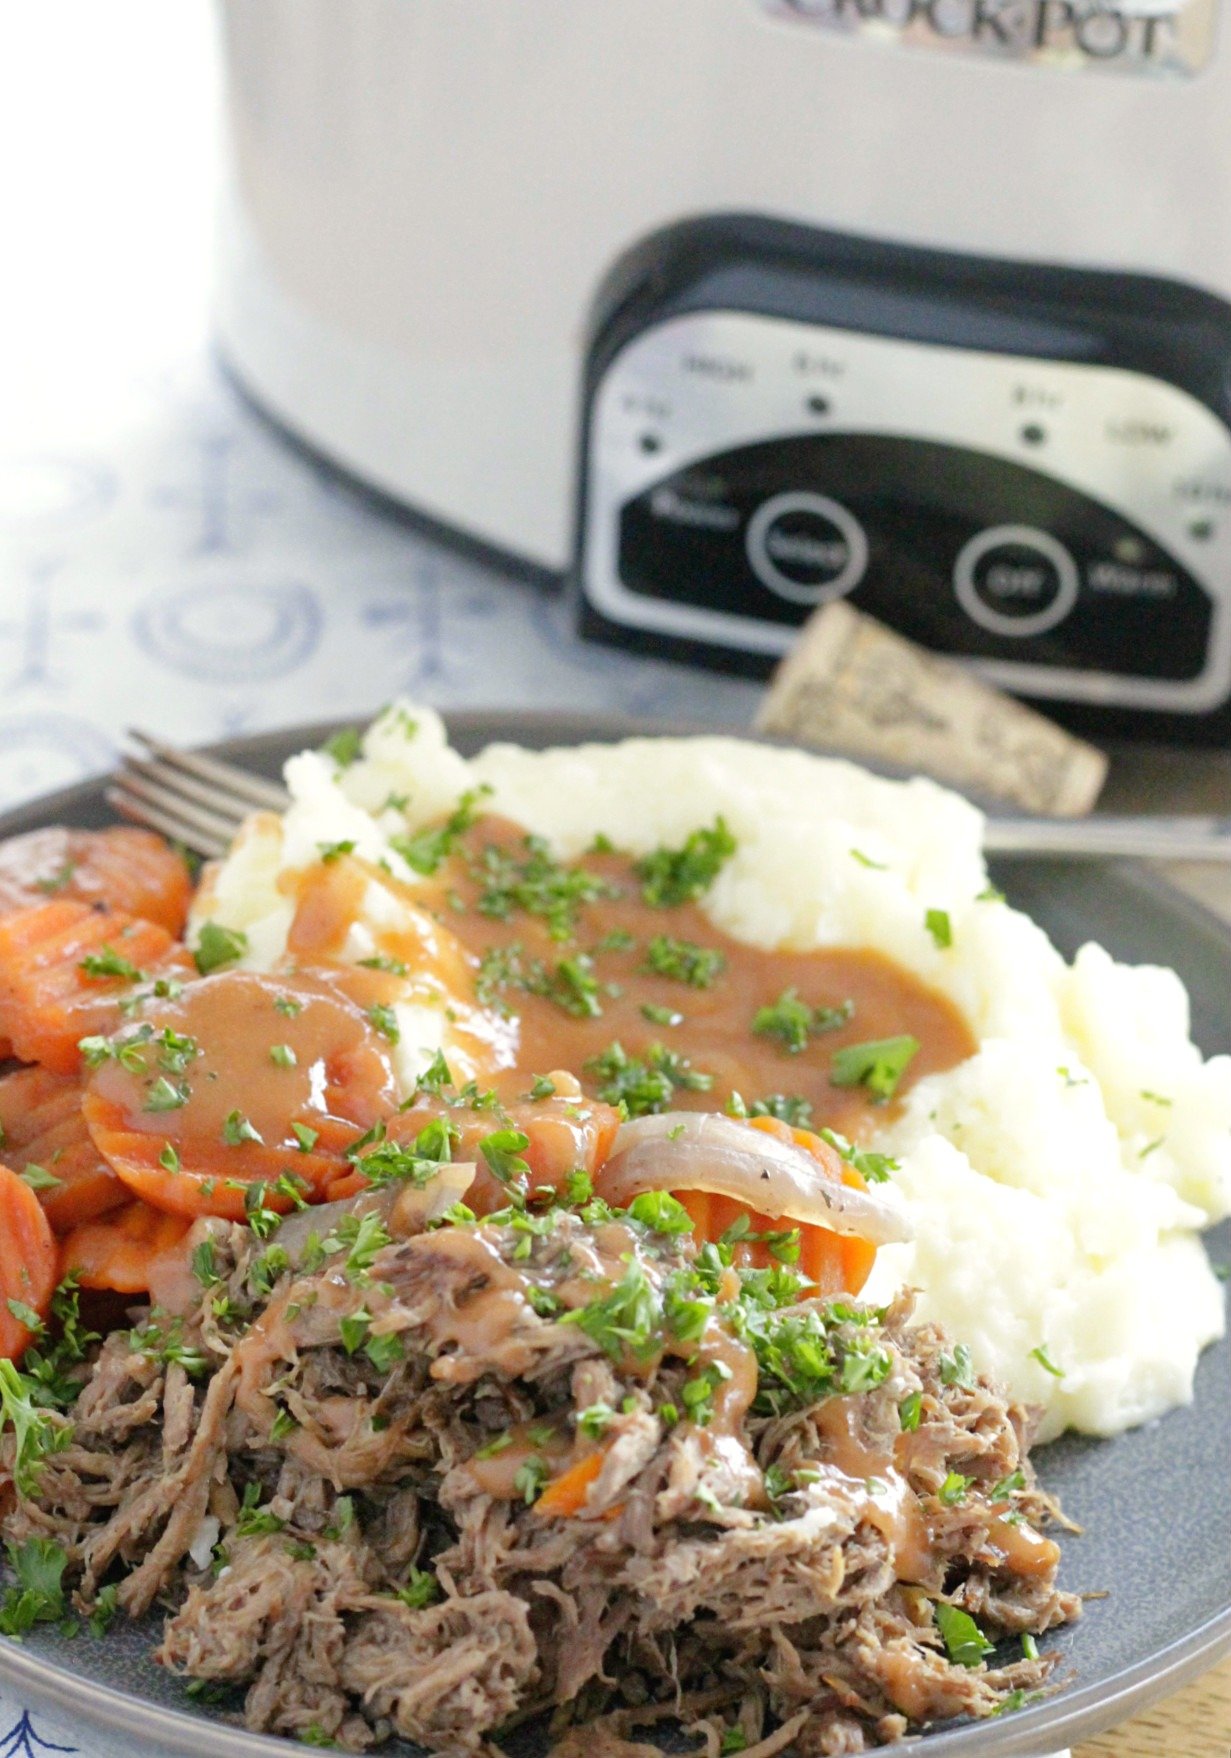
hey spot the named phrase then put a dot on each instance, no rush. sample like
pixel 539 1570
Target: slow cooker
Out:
pixel 725 309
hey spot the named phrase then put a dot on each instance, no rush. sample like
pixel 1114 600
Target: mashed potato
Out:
pixel 1057 1181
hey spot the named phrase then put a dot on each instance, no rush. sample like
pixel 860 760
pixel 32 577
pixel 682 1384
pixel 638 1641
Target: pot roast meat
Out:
pixel 446 1675
pixel 333 1480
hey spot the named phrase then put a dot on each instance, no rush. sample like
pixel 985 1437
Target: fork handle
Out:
pixel 1136 838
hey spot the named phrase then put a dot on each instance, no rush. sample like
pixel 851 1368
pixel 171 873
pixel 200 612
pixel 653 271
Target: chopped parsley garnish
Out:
pixel 543 1088
pixel 108 963
pixel 793 1021
pixel 617 940
pixel 36 1430
pixel 421 1589
pixel 572 985
pixel 500 968
pixel 333 851
pixel 1045 1362
pixel 939 927
pixel 345 746
pixel 661 1016
pixel 503 1150
pixel 176 1050
pixel 384 1020
pixel 237 1129
pixel 384 1351
pixel 537 885
pixel 435 1077
pixel 282 1055
pixel 163 1343
pixel 697 1394
pixel 57 881
pixel 530 1479
pixel 873 1167
pixel 595 1420
pixel 287 1004
pixel 166 1095
pixel 877 1065
pixel 1000 1492
pixel 205 1264
pixel 952 1492
pixel 37 1594
pixel 283 1425
pixel 103 1611
pixel 734 1740
pixel 47 1375
pixel 265 1270
pixel 802 1357
pixel 218 946
pixel 498 1444
pixel 660 1211
pixel 670 877
pixel 343 1517
pixel 353 1329
pixel 910 1412
pixel 305 1136
pixel 392 1163
pixel 857 854
pixel 786 1107
pixel 624 1320
pixel 39 1178
pixel 645 1084
pixel 684 961
pixel 425 850
pixel 253 1520
pixel 964 1641
pixel 362 1238
pixel 957 1369
pixel 380 961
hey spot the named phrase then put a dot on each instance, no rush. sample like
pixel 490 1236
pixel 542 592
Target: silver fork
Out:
pixel 195 800
pixel 201 802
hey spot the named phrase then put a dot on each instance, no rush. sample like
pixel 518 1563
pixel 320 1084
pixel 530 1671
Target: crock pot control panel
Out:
pixel 1065 527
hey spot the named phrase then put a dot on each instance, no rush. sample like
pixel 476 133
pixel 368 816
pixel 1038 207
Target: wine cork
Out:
pixel 849 685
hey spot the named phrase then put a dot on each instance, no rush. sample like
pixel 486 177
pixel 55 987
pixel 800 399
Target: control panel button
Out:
pixel 1015 580
pixel 806 547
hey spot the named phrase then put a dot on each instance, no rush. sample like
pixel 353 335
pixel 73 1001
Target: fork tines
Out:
pixel 198 801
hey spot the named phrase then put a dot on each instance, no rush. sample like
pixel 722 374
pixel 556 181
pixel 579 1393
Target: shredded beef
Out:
pixel 333 1482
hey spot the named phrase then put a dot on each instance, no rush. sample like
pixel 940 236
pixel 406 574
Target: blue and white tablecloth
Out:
pixel 199 578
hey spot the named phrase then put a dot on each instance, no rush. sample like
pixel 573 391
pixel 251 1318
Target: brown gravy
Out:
pixel 715 1030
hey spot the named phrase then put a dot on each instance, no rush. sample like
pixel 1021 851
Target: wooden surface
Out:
pixel 1194 1724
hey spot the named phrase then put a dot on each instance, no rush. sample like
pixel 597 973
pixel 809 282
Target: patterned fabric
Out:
pixel 200 578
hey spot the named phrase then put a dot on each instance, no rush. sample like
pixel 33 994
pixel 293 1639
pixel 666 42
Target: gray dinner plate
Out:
pixel 1154 1505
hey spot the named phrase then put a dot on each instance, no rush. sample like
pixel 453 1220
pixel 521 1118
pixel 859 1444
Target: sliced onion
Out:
pixel 697 1150
pixel 405 1208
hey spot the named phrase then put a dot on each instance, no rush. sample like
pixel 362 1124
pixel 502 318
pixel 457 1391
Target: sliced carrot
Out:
pixel 123 1251
pixel 564 1135
pixel 214 1178
pixel 55 986
pixel 42 1128
pixel 566 1494
pixel 838 1263
pixel 244 1078
pixel 122 868
pixel 28 1263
